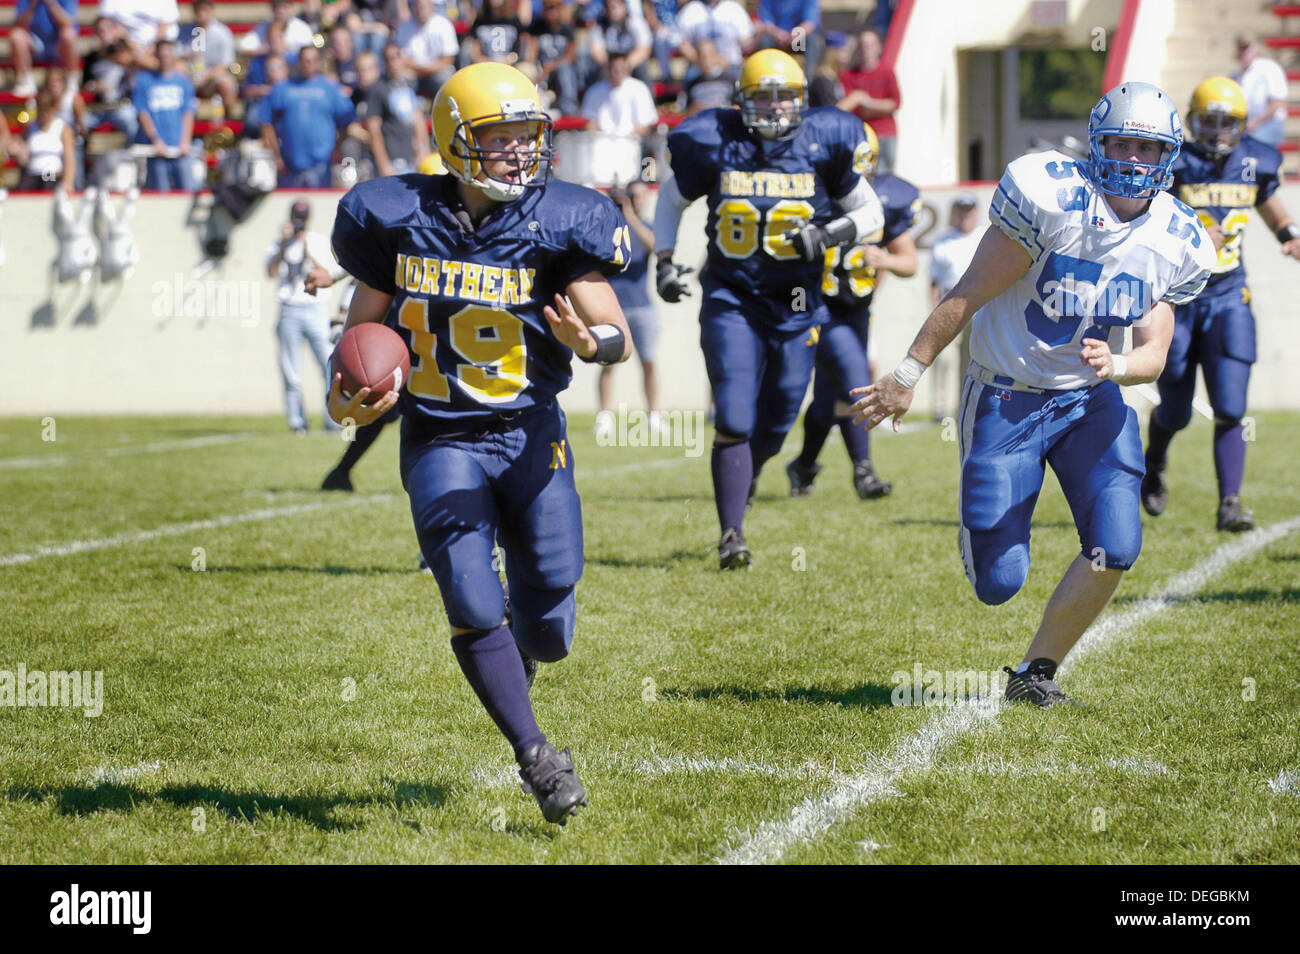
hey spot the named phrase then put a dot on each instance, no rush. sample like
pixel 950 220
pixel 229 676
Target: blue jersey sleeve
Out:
pixel 843 140
pixel 690 153
pixel 362 243
pixel 590 231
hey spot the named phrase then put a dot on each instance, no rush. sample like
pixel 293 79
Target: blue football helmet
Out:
pixel 1140 111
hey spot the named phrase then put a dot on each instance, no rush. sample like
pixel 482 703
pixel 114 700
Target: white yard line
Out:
pixel 178 529
pixel 268 513
pixel 62 460
pixel 819 813
pixel 1286 783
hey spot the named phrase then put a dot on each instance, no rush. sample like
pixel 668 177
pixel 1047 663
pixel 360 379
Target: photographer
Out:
pixel 302 316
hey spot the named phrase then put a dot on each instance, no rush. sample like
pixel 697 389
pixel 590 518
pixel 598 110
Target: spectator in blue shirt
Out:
pixel 165 104
pixel 661 17
pixel 44 31
pixel 307 114
pixel 793 26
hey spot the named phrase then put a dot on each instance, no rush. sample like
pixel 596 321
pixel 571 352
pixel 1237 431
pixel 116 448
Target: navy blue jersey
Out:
pixel 1223 192
pixel 848 282
pixel 470 306
pixel 758 190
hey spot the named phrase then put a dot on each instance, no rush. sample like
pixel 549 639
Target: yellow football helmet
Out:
pixel 1217 116
pixel 432 165
pixel 772 91
pixel 867 154
pixel 483 95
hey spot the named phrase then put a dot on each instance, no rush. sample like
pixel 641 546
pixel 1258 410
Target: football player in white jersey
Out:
pixel 1077 252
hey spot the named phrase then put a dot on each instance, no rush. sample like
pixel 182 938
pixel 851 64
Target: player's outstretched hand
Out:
pixel 341 410
pixel 885 398
pixel 668 281
pixel 569 328
pixel 1097 353
pixel 1291 247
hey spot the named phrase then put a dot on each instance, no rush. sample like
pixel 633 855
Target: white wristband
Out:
pixel 909 372
pixel 1121 367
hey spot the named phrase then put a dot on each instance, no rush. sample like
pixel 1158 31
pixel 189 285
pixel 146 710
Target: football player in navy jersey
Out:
pixel 783 185
pixel 496 277
pixel 848 285
pixel 1222 176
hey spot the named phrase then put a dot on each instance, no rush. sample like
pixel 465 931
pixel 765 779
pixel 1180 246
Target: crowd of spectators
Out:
pixel 339 91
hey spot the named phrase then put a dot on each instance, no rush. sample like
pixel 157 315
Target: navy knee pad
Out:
pixel 543 621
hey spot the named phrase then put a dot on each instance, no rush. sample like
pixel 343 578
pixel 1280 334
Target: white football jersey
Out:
pixel 1092 277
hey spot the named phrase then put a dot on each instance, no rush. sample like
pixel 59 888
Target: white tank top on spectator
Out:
pixel 46 148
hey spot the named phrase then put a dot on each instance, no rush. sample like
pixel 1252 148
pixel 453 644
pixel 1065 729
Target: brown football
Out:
pixel 372 356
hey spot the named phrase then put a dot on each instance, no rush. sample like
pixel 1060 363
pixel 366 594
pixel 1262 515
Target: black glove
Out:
pixel 810 241
pixel 668 280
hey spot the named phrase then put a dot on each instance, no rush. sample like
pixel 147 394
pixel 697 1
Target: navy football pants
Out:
pixel 1216 332
pixel 514 486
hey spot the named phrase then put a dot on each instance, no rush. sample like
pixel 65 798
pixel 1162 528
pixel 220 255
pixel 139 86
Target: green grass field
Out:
pixel 296 699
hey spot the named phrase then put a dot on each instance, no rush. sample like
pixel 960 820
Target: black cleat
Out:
pixel 337 480
pixel 1233 517
pixel 424 565
pixel 732 552
pixel 867 484
pixel 530 669
pixel 549 777
pixel 1155 493
pixel 801 477
pixel 1034 685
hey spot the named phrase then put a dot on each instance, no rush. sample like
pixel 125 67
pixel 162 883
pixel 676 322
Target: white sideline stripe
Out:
pixel 105 775
pixel 817 814
pixel 1183 585
pixel 62 460
pixel 1286 783
pixel 176 529
pixel 268 513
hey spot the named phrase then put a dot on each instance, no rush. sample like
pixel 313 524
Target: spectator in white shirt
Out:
pixel 146 22
pixel 297 33
pixel 302 315
pixel 621 105
pixel 723 22
pixel 429 47
pixel 1264 83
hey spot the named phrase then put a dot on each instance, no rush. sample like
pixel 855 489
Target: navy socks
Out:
pixel 733 470
pixel 490 661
